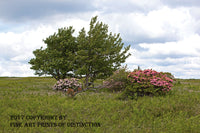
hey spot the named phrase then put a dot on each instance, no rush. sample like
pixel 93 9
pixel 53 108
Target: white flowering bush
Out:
pixel 71 86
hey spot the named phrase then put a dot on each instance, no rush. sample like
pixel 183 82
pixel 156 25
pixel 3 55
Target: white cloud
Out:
pixel 16 48
pixel 119 6
pixel 14 68
pixel 181 58
pixel 163 37
pixel 189 46
pixel 163 24
pixel 15 45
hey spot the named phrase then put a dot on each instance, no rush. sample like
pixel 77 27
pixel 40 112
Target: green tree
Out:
pixel 95 54
pixel 99 53
pixel 58 58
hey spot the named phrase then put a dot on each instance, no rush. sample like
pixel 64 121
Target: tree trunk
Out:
pixel 86 81
pixel 55 77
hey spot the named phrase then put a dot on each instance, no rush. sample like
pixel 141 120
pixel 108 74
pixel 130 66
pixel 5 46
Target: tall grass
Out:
pixel 176 112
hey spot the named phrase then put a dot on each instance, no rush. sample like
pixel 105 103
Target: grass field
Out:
pixel 33 99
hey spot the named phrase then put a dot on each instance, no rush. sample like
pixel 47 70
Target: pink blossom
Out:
pixel 155 78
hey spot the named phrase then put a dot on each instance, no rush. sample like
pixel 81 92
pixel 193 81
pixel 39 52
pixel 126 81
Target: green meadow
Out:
pixel 31 105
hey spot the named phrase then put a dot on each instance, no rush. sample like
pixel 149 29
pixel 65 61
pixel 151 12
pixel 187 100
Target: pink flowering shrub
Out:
pixel 71 86
pixel 147 82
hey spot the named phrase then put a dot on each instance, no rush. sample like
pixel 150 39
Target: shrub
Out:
pixel 147 82
pixel 117 81
pixel 169 75
pixel 71 86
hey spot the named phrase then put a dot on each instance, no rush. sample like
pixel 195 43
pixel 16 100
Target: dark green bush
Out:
pixel 117 81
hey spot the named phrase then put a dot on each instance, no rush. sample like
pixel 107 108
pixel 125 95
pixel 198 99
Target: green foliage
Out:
pixel 178 112
pixel 118 80
pixel 133 91
pixel 58 58
pixel 169 75
pixel 99 52
pixel 95 54
pixel 147 82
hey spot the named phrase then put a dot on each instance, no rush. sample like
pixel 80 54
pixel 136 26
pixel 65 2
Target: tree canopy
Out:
pixel 93 54
pixel 58 58
pixel 99 52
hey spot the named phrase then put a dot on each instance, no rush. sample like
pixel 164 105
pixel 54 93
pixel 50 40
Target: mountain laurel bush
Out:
pixel 147 82
pixel 71 86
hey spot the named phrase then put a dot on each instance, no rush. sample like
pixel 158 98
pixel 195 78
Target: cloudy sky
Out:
pixel 164 34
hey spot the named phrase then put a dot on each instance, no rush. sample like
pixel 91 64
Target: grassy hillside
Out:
pixel 34 100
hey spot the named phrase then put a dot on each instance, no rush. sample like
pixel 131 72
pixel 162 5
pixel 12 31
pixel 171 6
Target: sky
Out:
pixel 164 34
